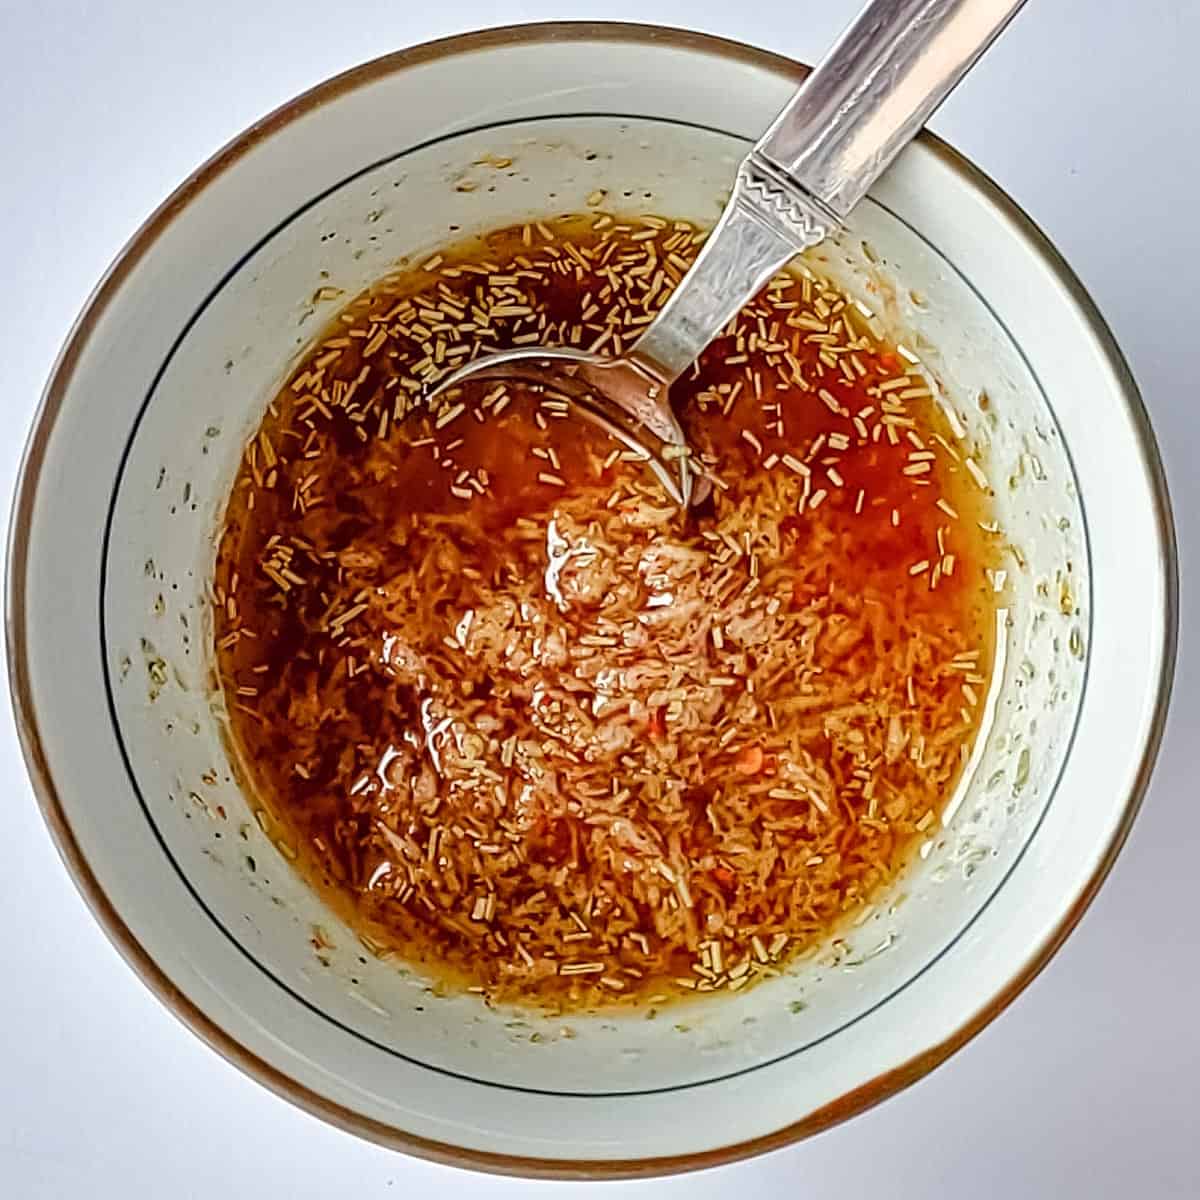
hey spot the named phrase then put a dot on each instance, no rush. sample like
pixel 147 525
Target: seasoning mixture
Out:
pixel 527 723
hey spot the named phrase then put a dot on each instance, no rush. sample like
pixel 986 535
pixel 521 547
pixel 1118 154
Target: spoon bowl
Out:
pixel 615 394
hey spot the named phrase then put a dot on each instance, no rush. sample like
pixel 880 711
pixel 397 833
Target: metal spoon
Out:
pixel 857 110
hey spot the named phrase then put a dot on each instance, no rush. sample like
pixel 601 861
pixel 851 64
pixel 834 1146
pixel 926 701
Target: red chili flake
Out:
pixel 724 876
pixel 656 723
pixel 749 760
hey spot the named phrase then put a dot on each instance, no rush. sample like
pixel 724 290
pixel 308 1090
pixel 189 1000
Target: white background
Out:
pixel 1089 1086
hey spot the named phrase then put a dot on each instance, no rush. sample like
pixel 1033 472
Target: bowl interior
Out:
pixel 184 450
pixel 166 377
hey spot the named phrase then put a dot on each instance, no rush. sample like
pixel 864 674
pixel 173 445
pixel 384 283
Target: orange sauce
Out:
pixel 352 485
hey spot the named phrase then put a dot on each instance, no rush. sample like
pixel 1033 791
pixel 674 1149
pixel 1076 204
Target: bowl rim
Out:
pixel 26 718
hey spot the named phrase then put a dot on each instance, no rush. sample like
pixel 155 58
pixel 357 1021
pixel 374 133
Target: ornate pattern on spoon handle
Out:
pixel 768 220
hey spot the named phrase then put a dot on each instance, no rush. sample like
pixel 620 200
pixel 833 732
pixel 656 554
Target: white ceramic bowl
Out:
pixel 137 439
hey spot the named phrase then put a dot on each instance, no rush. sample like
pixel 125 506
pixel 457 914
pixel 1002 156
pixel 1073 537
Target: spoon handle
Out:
pixel 868 97
pixel 855 112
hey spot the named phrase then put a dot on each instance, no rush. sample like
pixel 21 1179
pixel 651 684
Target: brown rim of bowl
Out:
pixel 853 1102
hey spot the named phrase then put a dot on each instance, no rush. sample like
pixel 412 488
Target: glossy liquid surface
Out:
pixel 528 724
